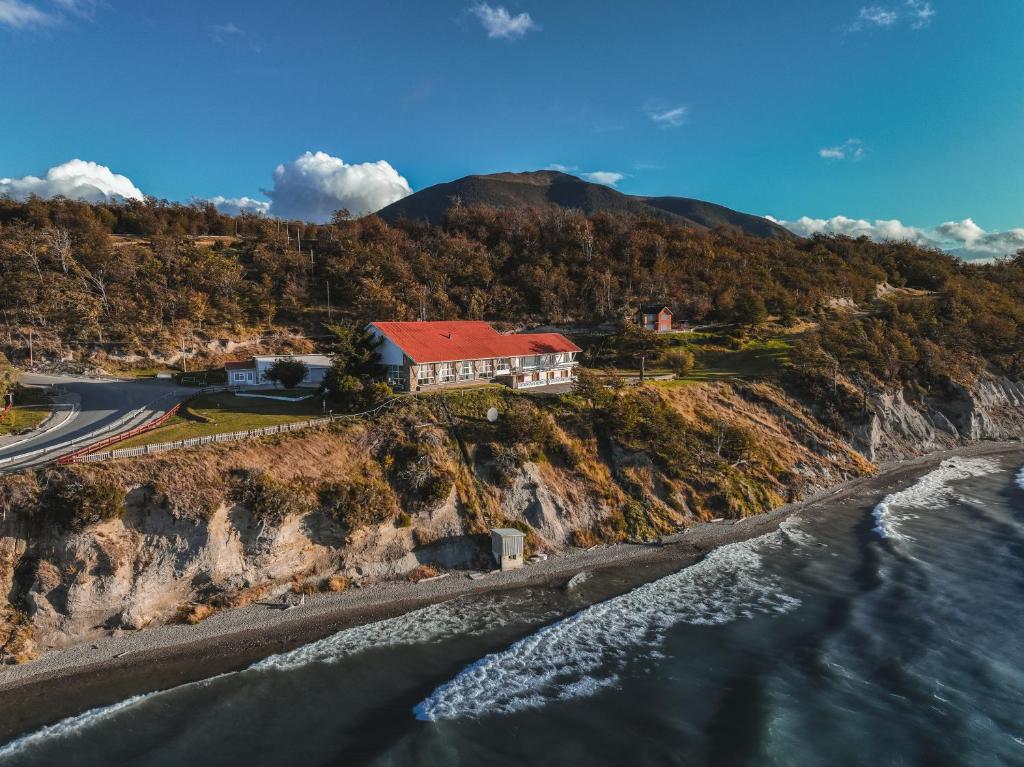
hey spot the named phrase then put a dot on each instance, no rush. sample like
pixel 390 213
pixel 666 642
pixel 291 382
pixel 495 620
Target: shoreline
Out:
pixel 74 679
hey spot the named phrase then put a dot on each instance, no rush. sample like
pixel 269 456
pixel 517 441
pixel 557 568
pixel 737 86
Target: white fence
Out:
pixel 234 436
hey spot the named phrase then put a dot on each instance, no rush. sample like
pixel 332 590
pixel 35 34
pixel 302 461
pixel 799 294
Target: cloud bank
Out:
pixel 501 24
pixel 234 206
pixel 965 238
pixel 316 185
pixel 76 180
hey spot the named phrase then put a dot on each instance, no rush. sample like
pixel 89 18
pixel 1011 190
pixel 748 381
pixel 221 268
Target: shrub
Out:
pixel 287 372
pixel 336 584
pixel 359 502
pixel 680 361
pixel 404 520
pixel 79 503
pixel 271 500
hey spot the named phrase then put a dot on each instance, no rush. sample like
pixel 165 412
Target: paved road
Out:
pixel 98 403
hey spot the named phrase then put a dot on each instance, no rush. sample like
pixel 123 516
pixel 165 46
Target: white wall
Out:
pixel 388 353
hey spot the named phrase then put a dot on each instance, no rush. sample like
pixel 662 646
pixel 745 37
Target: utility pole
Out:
pixel 184 357
pixel 31 357
pixel 329 315
pixel 312 263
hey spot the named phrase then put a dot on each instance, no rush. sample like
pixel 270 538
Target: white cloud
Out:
pixel 851 149
pixel 964 237
pixel 563 168
pixel 18 14
pixel 920 13
pixel 234 206
pixel 225 32
pixel 668 118
pixel 606 177
pixel 917 14
pixel 316 185
pixel 76 180
pixel 499 23
pixel 21 14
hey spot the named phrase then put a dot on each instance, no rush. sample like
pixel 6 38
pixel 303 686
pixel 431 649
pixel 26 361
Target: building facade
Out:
pixel 419 356
pixel 253 372
pixel 655 317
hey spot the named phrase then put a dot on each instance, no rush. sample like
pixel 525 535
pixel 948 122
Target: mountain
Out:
pixel 547 187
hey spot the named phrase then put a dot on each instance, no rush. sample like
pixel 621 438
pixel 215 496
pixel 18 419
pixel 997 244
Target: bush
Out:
pixel 287 372
pixel 79 503
pixel 404 520
pixel 270 500
pixel 359 502
pixel 680 361
pixel 336 584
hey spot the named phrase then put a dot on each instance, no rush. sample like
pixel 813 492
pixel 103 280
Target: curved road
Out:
pixel 99 403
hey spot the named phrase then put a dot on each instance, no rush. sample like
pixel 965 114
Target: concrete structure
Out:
pixel 420 356
pixel 253 372
pixel 655 317
pixel 507 545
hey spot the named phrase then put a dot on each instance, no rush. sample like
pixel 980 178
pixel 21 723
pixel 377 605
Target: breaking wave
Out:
pixel 932 491
pixel 1020 478
pixel 586 652
pixel 70 727
pixel 426 625
pixel 429 624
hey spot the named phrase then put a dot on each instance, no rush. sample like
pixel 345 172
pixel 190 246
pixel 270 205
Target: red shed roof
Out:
pixel 243 365
pixel 468 340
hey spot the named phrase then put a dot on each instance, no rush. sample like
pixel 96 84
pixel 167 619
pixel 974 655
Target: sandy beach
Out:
pixel 70 680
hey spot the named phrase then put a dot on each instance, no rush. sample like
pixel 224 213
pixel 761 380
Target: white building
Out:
pixel 253 372
pixel 418 356
pixel 508 546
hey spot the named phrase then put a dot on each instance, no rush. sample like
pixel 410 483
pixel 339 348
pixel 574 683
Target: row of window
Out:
pixel 449 372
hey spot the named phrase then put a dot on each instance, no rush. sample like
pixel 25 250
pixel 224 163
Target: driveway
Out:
pixel 98 403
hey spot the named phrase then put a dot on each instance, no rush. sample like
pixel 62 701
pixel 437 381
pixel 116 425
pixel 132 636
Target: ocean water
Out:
pixel 885 633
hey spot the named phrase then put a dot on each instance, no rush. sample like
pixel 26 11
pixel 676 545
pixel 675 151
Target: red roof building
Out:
pixel 425 355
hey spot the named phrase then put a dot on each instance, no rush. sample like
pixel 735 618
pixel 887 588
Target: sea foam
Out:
pixel 68 728
pixel 428 624
pixel 587 652
pixel 434 623
pixel 932 491
pixel 1020 478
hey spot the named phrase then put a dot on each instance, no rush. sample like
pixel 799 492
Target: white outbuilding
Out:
pixel 507 545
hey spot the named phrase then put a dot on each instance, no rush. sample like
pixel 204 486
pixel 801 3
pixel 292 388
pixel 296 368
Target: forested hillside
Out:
pixel 137 279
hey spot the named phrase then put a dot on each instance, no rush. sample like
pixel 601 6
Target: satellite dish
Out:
pixel 492 414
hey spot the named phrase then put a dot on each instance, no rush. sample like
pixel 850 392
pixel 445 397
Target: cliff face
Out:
pixel 120 546
pixel 893 428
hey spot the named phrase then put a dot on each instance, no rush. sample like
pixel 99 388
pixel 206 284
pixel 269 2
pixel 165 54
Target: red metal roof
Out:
pixel 468 340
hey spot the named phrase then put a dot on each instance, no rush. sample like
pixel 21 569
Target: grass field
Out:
pixel 718 356
pixel 22 418
pixel 226 412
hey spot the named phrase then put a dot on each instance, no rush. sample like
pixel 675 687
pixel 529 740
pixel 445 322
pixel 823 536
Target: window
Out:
pixel 504 366
pixel 466 371
pixel 425 375
pixel 486 368
pixel 395 375
pixel 530 362
pixel 447 372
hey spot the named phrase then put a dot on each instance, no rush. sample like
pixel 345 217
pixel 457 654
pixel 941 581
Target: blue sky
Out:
pixel 906 110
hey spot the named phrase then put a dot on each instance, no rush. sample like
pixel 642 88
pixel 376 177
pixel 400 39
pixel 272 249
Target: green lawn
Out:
pixel 22 418
pixel 227 413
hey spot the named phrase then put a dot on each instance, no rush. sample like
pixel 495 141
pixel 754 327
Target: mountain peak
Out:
pixel 546 188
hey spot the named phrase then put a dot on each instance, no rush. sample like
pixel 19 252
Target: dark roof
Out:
pixel 655 308
pixel 244 365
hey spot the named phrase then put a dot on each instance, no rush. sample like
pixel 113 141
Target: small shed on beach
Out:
pixel 507 546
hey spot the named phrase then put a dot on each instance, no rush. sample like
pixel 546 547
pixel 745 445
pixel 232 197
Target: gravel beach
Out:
pixel 73 679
